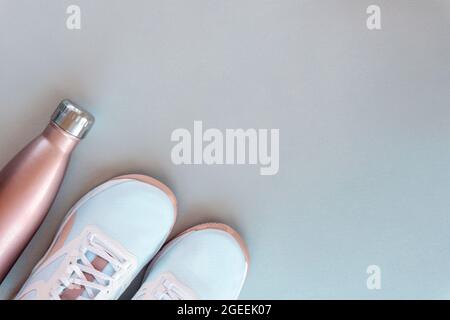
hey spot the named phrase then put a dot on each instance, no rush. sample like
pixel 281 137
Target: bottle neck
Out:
pixel 63 140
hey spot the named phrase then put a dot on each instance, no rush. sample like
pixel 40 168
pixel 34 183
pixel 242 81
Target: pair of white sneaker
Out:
pixel 114 231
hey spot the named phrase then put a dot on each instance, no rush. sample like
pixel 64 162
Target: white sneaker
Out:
pixel 209 261
pixel 105 240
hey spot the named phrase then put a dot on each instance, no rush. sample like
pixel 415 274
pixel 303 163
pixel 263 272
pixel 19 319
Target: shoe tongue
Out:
pixel 100 264
pixel 72 293
pixel 108 269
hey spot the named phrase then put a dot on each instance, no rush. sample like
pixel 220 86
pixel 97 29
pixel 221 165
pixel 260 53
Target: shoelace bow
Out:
pixel 82 274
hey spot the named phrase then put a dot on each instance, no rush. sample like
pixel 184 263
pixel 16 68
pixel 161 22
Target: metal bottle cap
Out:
pixel 73 119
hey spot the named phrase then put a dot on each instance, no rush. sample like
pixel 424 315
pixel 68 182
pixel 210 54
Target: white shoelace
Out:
pixel 169 291
pixel 165 287
pixel 81 266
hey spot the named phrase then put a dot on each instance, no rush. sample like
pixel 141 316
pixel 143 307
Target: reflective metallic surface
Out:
pixel 73 119
pixel 31 180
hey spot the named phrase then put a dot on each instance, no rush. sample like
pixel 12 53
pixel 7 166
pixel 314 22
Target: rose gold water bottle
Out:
pixel 30 181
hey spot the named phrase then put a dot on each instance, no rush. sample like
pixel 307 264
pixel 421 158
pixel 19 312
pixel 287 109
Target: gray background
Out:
pixel 364 121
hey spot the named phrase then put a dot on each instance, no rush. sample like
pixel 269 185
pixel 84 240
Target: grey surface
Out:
pixel 364 119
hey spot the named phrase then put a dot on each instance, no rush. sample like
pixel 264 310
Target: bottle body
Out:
pixel 28 185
